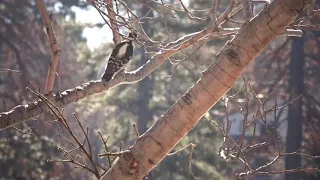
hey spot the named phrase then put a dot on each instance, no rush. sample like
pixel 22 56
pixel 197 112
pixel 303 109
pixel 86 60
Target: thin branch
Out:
pixel 190 163
pixel 113 23
pixel 180 150
pixel 57 113
pixel 47 20
pixel 9 70
pixel 247 10
pixel 135 129
pixel 213 10
pixel 315 27
pixel 293 32
pixel 225 14
pixel 105 147
pixel 190 15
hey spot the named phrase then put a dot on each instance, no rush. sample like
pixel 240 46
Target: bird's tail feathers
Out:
pixel 106 77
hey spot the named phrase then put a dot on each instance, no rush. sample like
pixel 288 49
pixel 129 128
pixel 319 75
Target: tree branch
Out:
pixel 34 109
pixel 169 129
pixel 113 23
pixel 247 10
pixel 46 18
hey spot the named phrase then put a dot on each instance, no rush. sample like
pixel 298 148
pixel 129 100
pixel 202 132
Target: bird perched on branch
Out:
pixel 119 57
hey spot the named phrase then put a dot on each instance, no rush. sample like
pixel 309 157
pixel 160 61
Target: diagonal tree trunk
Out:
pixel 163 136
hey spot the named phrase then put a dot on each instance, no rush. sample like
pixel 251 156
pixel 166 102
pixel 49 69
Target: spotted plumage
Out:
pixel 119 57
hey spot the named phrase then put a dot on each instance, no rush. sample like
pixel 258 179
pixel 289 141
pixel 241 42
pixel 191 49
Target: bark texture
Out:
pixel 163 136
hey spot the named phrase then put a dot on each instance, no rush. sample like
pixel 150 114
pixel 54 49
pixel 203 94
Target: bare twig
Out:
pixel 135 129
pixel 47 20
pixel 56 112
pixel 115 28
pixel 9 70
pixel 293 32
pixel 225 14
pixel 105 147
pixel 174 153
pixel 190 163
pixel 190 15
pixel 315 27
pixel 213 10
pixel 247 10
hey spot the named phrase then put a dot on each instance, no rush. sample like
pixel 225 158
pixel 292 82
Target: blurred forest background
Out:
pixel 288 68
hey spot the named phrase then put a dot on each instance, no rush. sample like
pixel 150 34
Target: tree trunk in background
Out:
pixel 296 87
pixel 145 91
pixel 145 87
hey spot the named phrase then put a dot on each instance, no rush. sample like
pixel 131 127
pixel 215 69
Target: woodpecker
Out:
pixel 119 57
